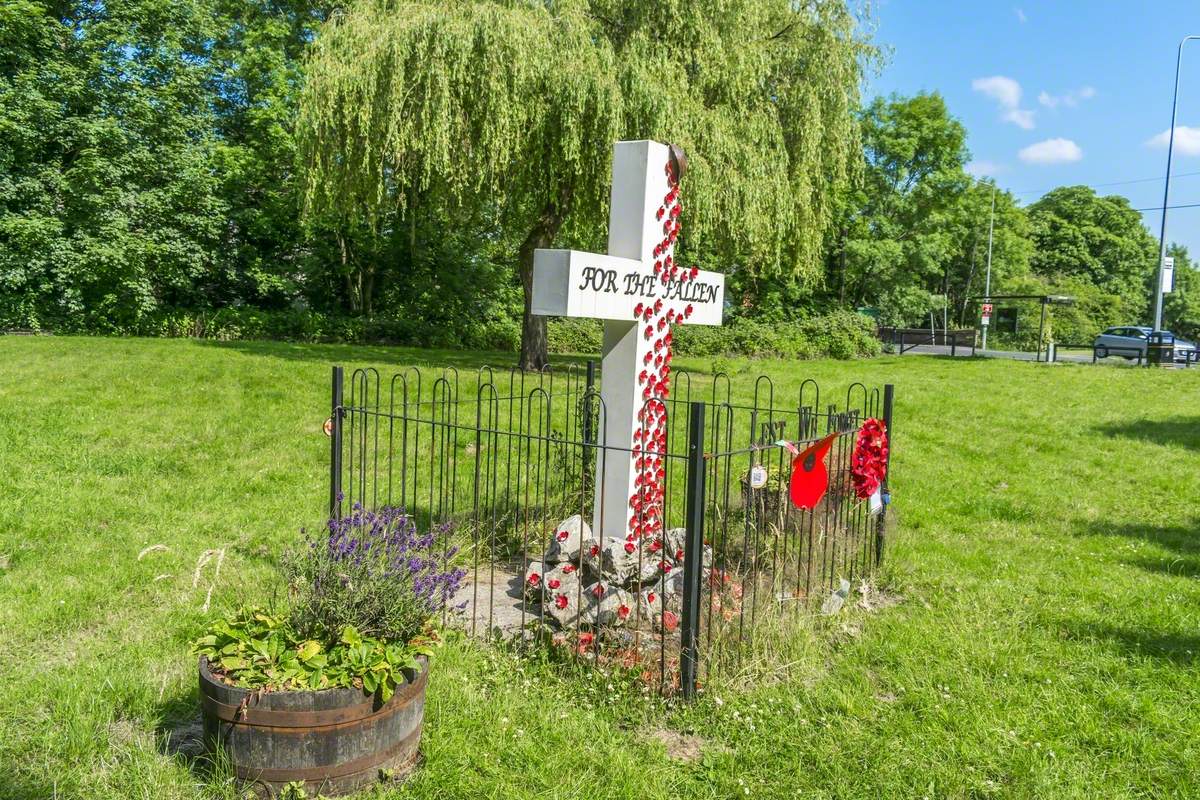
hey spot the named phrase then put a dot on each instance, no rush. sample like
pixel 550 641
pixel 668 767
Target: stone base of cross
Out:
pixel 640 292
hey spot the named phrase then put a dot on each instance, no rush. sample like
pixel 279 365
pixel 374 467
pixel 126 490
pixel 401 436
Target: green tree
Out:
pixel 1181 307
pixel 1078 234
pixel 912 235
pixel 516 106
pixel 108 203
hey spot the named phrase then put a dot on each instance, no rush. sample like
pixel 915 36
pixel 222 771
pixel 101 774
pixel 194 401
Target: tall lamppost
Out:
pixel 987 285
pixel 1162 234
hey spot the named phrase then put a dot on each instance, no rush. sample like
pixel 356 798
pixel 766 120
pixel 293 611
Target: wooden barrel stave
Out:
pixel 335 740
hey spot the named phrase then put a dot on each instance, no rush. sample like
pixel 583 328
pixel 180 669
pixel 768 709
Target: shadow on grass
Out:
pixel 1171 646
pixel 1177 430
pixel 1182 539
pixel 380 355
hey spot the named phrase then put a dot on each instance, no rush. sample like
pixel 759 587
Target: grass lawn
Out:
pixel 1047 643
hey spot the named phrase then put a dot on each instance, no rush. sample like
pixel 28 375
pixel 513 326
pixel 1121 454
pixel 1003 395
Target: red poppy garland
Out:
pixel 656 318
pixel 868 463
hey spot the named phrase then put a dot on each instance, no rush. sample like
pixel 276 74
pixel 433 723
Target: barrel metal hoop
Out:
pixel 307 721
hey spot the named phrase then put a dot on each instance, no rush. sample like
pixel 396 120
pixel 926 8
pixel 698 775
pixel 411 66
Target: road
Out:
pixel 944 350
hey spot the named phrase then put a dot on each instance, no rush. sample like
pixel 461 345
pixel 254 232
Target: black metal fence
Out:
pixel 507 465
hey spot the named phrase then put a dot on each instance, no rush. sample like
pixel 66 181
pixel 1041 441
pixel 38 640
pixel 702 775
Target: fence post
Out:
pixel 889 393
pixel 693 553
pixel 587 406
pixel 954 344
pixel 336 413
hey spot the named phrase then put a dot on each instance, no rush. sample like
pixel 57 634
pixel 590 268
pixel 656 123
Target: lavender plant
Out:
pixel 371 570
pixel 362 594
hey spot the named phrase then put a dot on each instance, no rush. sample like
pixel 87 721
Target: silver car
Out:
pixel 1131 341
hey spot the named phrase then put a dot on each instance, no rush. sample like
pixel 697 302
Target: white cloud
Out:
pixel 1070 99
pixel 981 168
pixel 1006 92
pixel 1021 117
pixel 1187 140
pixel 1021 18
pixel 1051 151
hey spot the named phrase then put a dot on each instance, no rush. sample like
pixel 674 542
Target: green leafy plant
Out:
pixel 255 649
pixel 363 595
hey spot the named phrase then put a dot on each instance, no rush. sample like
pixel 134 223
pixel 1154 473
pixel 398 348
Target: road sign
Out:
pixel 987 313
pixel 1168 274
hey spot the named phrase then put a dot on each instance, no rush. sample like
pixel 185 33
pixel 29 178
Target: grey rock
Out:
pixel 627 564
pixel 564 601
pixel 568 538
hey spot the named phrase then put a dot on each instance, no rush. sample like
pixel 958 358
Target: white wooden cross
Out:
pixel 639 292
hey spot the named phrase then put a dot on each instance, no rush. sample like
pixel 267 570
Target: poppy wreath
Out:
pixel 868 462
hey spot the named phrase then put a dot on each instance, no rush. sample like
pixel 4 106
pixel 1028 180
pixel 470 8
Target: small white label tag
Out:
pixel 758 476
pixel 876 501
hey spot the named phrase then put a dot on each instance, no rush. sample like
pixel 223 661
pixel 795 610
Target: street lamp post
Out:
pixel 987 285
pixel 1162 233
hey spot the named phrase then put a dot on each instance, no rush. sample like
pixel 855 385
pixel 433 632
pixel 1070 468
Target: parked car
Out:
pixel 1131 341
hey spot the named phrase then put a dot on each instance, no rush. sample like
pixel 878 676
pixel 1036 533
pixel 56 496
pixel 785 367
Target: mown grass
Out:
pixel 1048 559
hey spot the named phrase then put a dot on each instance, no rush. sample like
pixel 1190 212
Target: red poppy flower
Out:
pixel 623 612
pixel 650 598
pixel 679 554
pixel 694 271
pixel 659 214
pixel 670 621
pixel 687 312
pixel 568 568
pixel 656 545
pixel 534 579
pixel 585 641
pixel 630 547
pixel 554 583
pixel 562 535
pixel 561 601
pixel 598 590
pixel 593 551
pixel 664 566
pixel 637 310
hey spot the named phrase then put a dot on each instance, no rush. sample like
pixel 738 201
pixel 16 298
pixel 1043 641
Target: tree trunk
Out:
pixel 845 234
pixel 535 352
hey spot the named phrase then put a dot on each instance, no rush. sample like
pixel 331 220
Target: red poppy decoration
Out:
pixel 868 462
pixel 810 477
pixel 561 601
pixel 554 583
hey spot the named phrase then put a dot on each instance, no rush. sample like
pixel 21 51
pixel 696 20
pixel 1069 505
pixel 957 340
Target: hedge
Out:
pixel 840 335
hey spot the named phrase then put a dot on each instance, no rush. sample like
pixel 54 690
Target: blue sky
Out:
pixel 1058 93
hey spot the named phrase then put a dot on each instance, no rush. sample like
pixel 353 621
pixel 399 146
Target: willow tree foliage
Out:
pixel 514 106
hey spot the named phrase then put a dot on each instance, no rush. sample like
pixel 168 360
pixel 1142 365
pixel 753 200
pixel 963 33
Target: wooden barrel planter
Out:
pixel 334 740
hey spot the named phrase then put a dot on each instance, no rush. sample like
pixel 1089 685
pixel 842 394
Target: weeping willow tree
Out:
pixel 515 106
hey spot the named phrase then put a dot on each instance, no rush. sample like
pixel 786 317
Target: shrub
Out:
pixel 839 334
